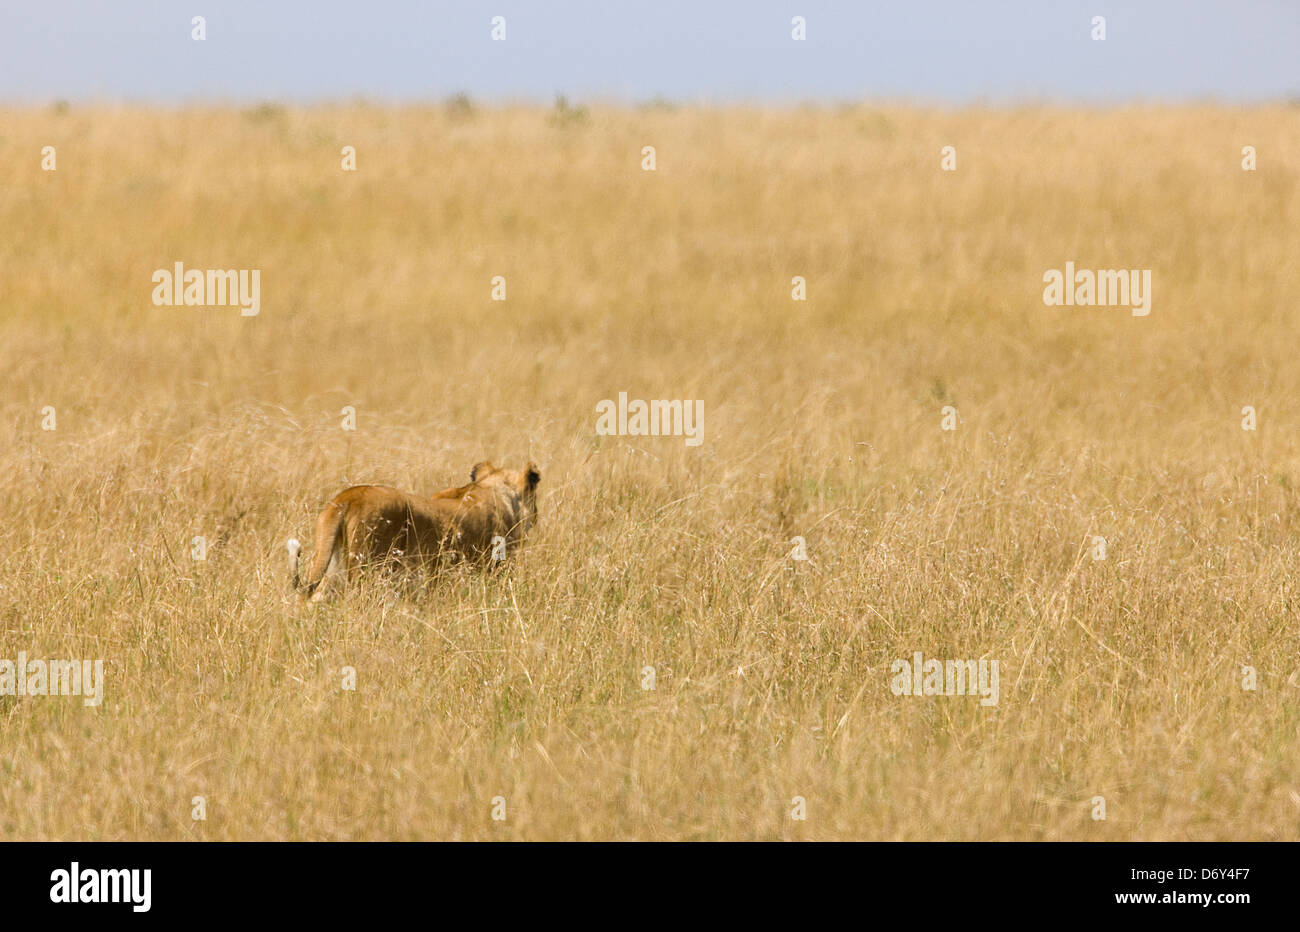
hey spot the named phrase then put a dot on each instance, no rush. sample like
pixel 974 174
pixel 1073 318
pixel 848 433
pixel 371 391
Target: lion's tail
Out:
pixel 330 549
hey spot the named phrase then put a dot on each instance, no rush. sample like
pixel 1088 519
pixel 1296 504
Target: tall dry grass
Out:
pixel 1119 678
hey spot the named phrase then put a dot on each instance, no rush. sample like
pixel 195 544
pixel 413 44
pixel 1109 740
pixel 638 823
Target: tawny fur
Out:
pixel 370 525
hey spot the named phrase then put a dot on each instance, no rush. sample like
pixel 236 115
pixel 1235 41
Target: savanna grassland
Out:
pixel 1120 678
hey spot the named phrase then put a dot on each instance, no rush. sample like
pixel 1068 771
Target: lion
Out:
pixel 373 525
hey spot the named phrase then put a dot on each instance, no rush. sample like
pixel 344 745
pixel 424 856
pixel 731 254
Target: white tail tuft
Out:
pixel 294 549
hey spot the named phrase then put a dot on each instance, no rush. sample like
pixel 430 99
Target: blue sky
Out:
pixel 950 52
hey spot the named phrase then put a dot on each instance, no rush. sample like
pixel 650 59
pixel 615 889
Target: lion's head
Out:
pixel 522 482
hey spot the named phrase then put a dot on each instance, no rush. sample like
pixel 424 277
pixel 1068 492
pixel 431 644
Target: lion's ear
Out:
pixel 531 475
pixel 480 469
